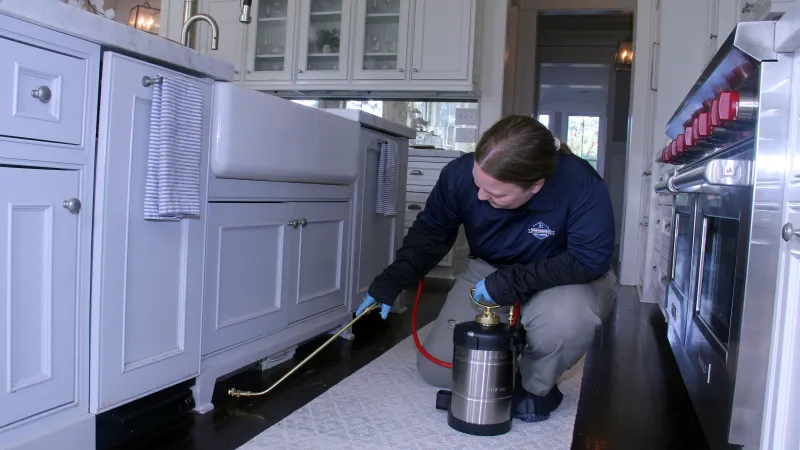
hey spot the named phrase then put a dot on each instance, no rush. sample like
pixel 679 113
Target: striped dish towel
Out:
pixel 172 187
pixel 387 179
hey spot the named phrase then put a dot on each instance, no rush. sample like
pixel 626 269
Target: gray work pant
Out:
pixel 560 325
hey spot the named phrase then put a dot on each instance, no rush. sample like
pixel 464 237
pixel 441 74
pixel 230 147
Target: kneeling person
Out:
pixel 540 228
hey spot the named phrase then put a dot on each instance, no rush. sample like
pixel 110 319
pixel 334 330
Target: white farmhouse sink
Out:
pixel 257 136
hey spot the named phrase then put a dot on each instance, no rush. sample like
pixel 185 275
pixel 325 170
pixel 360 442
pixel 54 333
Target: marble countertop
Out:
pixel 375 122
pixel 116 36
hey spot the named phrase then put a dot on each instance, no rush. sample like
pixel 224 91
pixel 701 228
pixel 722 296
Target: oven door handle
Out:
pixel 714 177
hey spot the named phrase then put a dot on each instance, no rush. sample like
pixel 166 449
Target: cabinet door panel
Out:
pixel 38 268
pixel 381 40
pixel 271 41
pixel 377 242
pixel 250 267
pixel 147 275
pixel 442 39
pixel 321 265
pixel 321 55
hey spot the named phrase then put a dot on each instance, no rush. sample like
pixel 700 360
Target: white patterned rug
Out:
pixel 386 405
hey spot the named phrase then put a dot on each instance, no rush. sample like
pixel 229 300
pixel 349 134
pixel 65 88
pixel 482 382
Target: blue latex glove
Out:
pixel 481 294
pixel 368 301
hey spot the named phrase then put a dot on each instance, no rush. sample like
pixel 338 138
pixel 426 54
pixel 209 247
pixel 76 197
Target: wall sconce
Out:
pixel 146 18
pixel 624 58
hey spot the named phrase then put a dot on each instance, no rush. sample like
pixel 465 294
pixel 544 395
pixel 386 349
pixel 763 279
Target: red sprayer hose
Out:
pixel 421 349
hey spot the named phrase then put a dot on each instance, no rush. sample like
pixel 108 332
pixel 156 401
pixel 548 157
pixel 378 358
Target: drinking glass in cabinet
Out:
pixel 382 30
pixel 273 9
pixel 271 35
pixel 383 7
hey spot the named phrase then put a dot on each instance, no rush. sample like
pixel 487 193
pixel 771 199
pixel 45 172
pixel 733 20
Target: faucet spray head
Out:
pixel 245 17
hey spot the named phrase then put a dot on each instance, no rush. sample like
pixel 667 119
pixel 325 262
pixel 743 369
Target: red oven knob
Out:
pixel 680 145
pixel 715 119
pixel 673 149
pixel 665 155
pixel 703 124
pixel 728 106
pixel 688 136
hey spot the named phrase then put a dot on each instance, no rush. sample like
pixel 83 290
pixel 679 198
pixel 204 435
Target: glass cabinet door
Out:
pixel 381 39
pixel 326 29
pixel 271 41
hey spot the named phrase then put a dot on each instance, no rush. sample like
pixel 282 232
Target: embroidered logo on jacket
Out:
pixel 541 231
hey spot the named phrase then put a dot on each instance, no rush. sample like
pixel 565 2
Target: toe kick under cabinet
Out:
pixel 269 265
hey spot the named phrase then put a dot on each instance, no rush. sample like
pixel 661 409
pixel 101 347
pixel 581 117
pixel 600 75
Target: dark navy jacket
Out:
pixel 563 235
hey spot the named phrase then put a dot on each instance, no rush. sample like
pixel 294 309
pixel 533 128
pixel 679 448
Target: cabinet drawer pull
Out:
pixel 415 172
pixel 43 94
pixel 414 207
pixel 72 205
pixel 147 81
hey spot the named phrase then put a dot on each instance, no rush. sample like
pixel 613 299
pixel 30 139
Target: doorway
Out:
pixel 582 93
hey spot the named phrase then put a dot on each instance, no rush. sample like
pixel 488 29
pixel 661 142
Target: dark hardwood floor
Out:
pixel 632 395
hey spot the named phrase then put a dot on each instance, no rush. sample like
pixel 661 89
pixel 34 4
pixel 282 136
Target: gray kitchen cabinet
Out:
pixel 323 238
pixel 39 263
pixel 271 264
pixel 250 262
pixel 377 237
pixel 147 276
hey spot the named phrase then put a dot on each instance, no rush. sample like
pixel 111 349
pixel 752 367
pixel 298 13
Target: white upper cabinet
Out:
pixel 442 39
pixel 323 47
pixel 381 43
pixel 271 40
pixel 352 44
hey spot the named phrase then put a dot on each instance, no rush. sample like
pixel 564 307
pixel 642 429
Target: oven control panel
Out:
pixel 726 120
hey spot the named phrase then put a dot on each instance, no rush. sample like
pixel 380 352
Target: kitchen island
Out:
pixel 104 307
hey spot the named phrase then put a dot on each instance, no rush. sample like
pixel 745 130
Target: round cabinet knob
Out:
pixel 236 72
pixel 293 223
pixel 72 205
pixel 43 94
pixel 302 222
pixel 400 69
pixel 299 70
pixel 788 232
pixel 415 70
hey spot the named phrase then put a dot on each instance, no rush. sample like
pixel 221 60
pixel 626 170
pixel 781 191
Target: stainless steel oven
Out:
pixel 679 291
pixel 726 135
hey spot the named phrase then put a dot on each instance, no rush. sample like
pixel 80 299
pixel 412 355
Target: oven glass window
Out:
pixel 682 263
pixel 717 275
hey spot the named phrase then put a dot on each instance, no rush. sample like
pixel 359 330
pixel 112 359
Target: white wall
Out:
pixel 493 45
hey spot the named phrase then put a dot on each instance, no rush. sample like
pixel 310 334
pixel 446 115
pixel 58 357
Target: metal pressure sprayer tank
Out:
pixel 484 365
